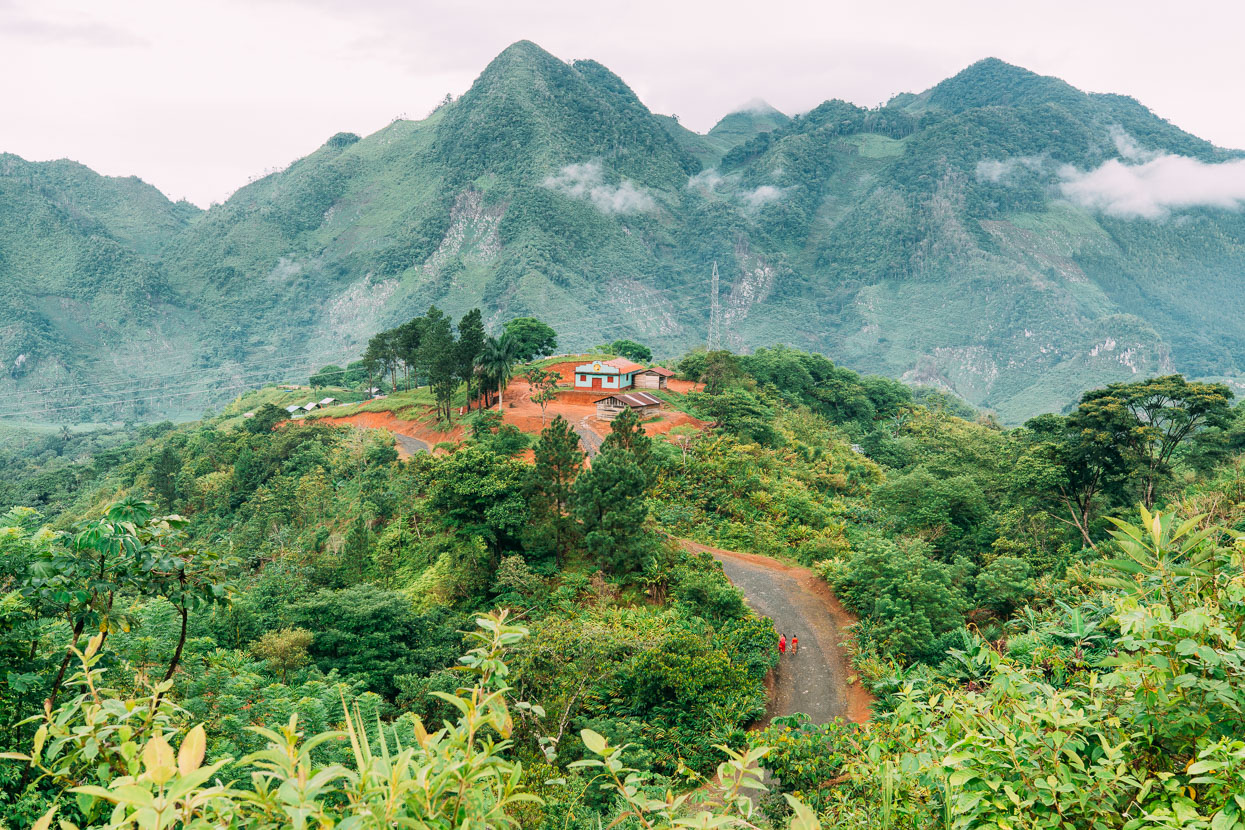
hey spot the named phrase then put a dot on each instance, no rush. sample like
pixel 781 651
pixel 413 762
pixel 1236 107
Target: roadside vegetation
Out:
pixel 251 622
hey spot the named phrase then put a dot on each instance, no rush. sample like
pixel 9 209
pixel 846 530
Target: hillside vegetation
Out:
pixel 954 238
pixel 251 621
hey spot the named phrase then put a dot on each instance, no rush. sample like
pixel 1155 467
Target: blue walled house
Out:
pixel 607 374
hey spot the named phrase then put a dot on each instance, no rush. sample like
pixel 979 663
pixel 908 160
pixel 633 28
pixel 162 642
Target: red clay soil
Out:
pixel 581 397
pixel 565 370
pixel 576 406
pixel 683 386
pixel 814 680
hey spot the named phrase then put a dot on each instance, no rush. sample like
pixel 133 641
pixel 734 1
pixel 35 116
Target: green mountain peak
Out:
pixel 928 239
pixel 994 82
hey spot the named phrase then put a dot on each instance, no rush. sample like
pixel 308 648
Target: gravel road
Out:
pixel 409 445
pixel 814 680
pixel 589 440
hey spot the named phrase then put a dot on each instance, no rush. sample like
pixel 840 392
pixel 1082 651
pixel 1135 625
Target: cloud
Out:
pixel 17 23
pixel 762 195
pixel 1141 183
pixel 1002 172
pixel 587 181
pixel 755 106
pixel 1153 188
pixel 708 181
pixel 1128 147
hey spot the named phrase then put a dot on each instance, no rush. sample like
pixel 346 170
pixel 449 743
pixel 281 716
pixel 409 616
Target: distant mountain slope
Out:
pixel 81 292
pixel 973 236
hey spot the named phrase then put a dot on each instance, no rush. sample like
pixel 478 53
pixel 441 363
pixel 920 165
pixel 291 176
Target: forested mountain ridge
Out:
pixel 961 237
pixel 80 278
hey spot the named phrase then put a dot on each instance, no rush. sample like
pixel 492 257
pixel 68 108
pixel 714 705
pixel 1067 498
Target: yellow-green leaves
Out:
pixel 190 756
pixel 595 742
pixel 45 821
pixel 158 760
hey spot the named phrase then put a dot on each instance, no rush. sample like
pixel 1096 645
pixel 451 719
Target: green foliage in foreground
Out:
pixel 1029 669
pixel 1143 734
pixel 117 760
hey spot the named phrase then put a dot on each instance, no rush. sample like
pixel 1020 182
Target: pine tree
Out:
pixel 164 472
pixel 438 353
pixel 627 434
pixel 357 549
pixel 558 461
pixel 407 338
pixel 470 344
pixel 248 474
pixel 610 502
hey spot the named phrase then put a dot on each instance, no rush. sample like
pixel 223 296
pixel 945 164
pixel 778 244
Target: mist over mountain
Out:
pixel 1002 235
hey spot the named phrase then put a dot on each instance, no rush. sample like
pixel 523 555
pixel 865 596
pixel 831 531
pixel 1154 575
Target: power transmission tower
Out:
pixel 715 312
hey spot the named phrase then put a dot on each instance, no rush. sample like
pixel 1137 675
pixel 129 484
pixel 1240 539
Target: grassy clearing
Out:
pixel 275 395
pixel 873 146
pixel 675 400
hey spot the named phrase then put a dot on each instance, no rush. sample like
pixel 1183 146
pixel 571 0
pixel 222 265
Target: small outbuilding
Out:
pixel 607 374
pixel 653 378
pixel 328 401
pixel 310 406
pixel 641 403
pixel 292 408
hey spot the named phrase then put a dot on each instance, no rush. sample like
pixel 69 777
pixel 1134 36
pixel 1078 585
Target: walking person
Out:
pixel 795 643
pixel 782 644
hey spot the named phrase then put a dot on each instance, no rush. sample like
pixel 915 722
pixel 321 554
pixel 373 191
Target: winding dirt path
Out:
pixel 404 432
pixel 815 679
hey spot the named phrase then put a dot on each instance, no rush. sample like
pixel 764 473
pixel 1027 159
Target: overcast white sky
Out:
pixel 198 96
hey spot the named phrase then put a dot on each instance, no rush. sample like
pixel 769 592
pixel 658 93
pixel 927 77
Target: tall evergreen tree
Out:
pixel 408 337
pixel 164 470
pixel 470 344
pixel 558 461
pixel 627 434
pixel 438 354
pixel 610 502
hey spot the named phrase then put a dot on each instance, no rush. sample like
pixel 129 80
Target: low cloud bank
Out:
pixel 711 183
pixel 1002 172
pixel 1154 188
pixel 587 181
pixel 707 181
pixel 1141 184
pixel 762 195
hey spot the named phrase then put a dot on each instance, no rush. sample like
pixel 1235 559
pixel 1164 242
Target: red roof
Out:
pixel 635 400
pixel 660 370
pixel 623 365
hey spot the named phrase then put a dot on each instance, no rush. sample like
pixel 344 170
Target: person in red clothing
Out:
pixel 782 644
pixel 795 643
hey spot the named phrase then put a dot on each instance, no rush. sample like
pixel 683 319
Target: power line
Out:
pixel 127 400
pixel 162 392
pixel 254 373
pixel 198 370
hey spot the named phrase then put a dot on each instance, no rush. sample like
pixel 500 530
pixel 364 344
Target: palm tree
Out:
pixel 496 362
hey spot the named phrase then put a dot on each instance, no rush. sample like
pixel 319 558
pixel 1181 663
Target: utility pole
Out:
pixel 715 313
